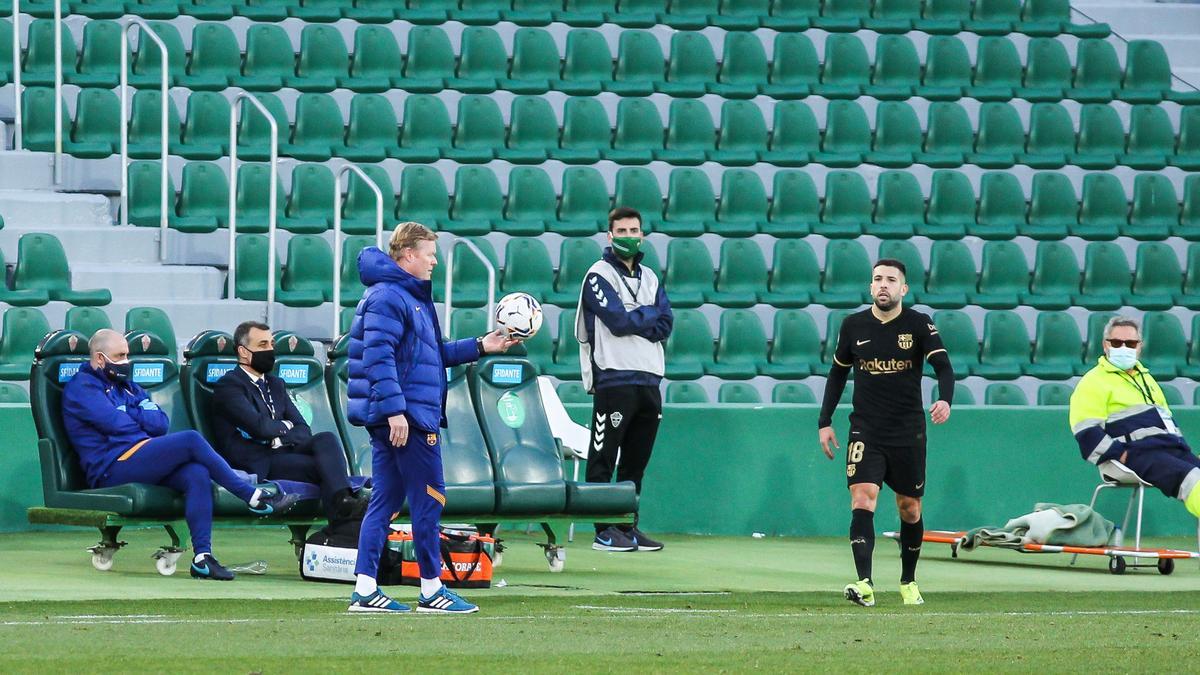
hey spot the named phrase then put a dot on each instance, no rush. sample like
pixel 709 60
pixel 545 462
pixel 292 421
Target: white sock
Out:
pixel 256 497
pixel 365 585
pixel 199 558
pixel 430 586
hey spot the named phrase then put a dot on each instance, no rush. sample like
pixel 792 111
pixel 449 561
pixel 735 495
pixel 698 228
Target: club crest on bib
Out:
pixel 904 340
pixel 850 470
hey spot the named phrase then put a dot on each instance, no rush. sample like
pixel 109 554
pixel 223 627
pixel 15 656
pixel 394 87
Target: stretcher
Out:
pixel 1117 555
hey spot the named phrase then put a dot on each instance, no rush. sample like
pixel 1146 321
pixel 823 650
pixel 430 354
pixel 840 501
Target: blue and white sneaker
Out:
pixel 209 568
pixel 445 601
pixel 375 602
pixel 274 505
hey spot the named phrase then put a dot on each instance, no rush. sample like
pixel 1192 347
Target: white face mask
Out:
pixel 1122 357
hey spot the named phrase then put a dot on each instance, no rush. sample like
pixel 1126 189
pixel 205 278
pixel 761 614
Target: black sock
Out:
pixel 911 535
pixel 862 540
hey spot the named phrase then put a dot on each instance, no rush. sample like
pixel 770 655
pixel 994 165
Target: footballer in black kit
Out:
pixel 887 345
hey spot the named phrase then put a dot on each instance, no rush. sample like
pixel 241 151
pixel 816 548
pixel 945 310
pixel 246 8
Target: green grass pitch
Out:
pixel 704 604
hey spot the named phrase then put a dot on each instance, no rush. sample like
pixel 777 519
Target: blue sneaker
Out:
pixel 375 602
pixel 274 505
pixel 445 601
pixel 209 568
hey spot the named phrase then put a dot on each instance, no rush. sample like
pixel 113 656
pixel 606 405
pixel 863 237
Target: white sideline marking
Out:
pixel 111 616
pixel 655 610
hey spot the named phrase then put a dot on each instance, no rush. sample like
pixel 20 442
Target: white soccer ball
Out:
pixel 519 315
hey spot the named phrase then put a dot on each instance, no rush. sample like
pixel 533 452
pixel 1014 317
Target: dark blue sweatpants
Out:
pixel 1164 468
pixel 413 471
pixel 183 461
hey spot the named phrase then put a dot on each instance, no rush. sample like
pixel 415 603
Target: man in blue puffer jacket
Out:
pixel 397 390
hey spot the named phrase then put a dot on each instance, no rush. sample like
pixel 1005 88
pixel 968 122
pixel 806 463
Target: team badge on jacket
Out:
pixel 431 439
pixel 905 340
pixel 616 419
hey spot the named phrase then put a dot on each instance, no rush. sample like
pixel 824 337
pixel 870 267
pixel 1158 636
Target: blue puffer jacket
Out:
pixel 398 360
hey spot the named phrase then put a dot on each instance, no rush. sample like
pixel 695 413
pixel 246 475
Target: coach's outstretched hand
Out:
pixel 495 342
pixel 828 438
pixel 939 412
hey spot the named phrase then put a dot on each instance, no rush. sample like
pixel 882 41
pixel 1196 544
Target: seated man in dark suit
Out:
pixel 259 430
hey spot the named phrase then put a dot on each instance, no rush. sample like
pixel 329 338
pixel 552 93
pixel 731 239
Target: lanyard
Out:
pixel 265 392
pixel 1143 388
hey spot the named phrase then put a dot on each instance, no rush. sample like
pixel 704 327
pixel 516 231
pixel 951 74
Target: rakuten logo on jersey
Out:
pixel 884 367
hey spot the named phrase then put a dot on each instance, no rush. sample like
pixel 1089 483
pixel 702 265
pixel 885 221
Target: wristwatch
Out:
pixel 479 345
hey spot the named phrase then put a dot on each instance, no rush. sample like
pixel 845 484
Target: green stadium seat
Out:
pixel 690 14
pixel 470 274
pixel 1054 394
pixel 145 128
pixel 482 62
pixel 144 194
pixel 847 205
pixel 212 10
pixel 1050 17
pixel 425 132
pixel 846 70
pixel 1101 139
pixel 37 104
pixel 423 196
pixel 947 69
pixel 1006 346
pixel 1095 339
pixel 640 64
pixel 743 135
pixel 743 204
pixel 741 276
pixel 637 188
pixel 1189 215
pixel 689 275
pixel 951 207
pixel 11 393
pixel 997 70
pixel 690 133
pixel 372 130
pixel 692 65
pixel 430 60
pixel 897 67
pixel 1147 72
pixel 639 132
pixel 1165 347
pixel 478 202
pixel 1103 209
pixel 587 64
pixel 960 339
pixel 1053 207
pixel 1051 137
pixel 952 279
pixel 794 135
pixel 738 392
pixel 352 286
pixel 466 323
pixel 1056 277
pixel 86 320
pixel 575 257
pixel 1001 207
pixel 265 10
pixel 1057 349
pixel 1097 72
pixel 1190 297
pixel 686 392
pixel 638 13
pixel 650 259
pixel 847 135
pixel 251 252
pixel 478 132
pixel 584 12
pixel 38 69
pixel 309 267
pixel 566 350
pixel 533 131
pixel 1106 277
pixel 893 16
pixel 535 62
pixel 317 10
pixel 254 132
pixel 1000 139
pixel 99 64
pixel 376 60
pixel 795 68
pixel 962 395
pixel 574 393
pixel 847 275
pixel 206 131
pixel 1157 279
pixel 791 15
pixel 527 268
pixel 1151 138
pixel 97 114
pixel 585 132
pixel 319 132
pixel 310 203
pixel 994 17
pixel 795 275
pixel 740 15
pixel 323 63
pixel 1003 277
pixel 203 198
pixel 1191 369
pixel 944 16
pixel 744 66
pixel 270 60
pixel 691 205
pixel 1047 70
pixel 949 136
pixel 1187 151
pixel 689 350
pixel 154 321
pixel 583 209
pixel 899 205
pixel 795 346
pixel 795 206
pixel 1172 394
pixel 842 15
pixel 833 326
pixel 740 346
pixel 42 265
pixel 23 329
pixel 529 207
pixel 795 393
pixel 1155 208
pixel 1004 393
pixel 906 252
pixel 898 135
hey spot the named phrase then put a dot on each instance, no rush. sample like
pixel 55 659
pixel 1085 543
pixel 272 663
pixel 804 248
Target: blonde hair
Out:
pixel 408 235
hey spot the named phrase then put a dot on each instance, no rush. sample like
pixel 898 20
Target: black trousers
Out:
pixel 320 461
pixel 624 422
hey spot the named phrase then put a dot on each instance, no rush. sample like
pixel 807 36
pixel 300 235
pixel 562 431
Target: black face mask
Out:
pixel 118 372
pixel 263 360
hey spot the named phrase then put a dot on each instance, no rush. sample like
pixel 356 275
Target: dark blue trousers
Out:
pixel 183 461
pixel 1164 468
pixel 413 472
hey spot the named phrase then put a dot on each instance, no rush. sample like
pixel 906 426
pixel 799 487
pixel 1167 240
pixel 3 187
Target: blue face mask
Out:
pixel 1124 358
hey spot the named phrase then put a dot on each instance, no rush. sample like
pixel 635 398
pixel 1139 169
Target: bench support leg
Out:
pixel 102 553
pixel 299 534
pixel 556 555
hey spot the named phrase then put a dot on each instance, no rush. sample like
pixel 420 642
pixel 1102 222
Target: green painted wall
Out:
pixel 20 470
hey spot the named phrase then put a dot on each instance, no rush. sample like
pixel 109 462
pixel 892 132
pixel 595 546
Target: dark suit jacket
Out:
pixel 244 427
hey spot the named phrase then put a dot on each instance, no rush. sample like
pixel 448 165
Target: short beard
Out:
pixel 888 307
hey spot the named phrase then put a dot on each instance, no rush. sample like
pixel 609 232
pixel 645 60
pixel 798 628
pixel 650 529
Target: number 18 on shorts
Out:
pixel 900 467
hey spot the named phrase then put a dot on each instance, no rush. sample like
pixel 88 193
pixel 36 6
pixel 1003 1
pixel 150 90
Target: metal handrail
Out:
pixel 58 85
pixel 491 270
pixel 337 235
pixel 163 219
pixel 271 199
pixel 18 123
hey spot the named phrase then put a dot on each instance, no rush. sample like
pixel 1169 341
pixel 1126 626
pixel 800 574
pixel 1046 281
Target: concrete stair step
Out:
pixel 151 282
pixel 95 244
pixel 52 210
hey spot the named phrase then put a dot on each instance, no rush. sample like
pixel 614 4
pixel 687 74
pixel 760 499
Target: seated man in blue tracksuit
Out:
pixel 121 437
pixel 397 390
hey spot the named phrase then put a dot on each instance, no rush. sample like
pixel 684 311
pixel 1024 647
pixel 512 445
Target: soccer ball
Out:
pixel 519 315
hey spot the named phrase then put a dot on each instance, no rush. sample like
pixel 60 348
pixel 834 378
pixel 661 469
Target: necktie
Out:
pixel 266 394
